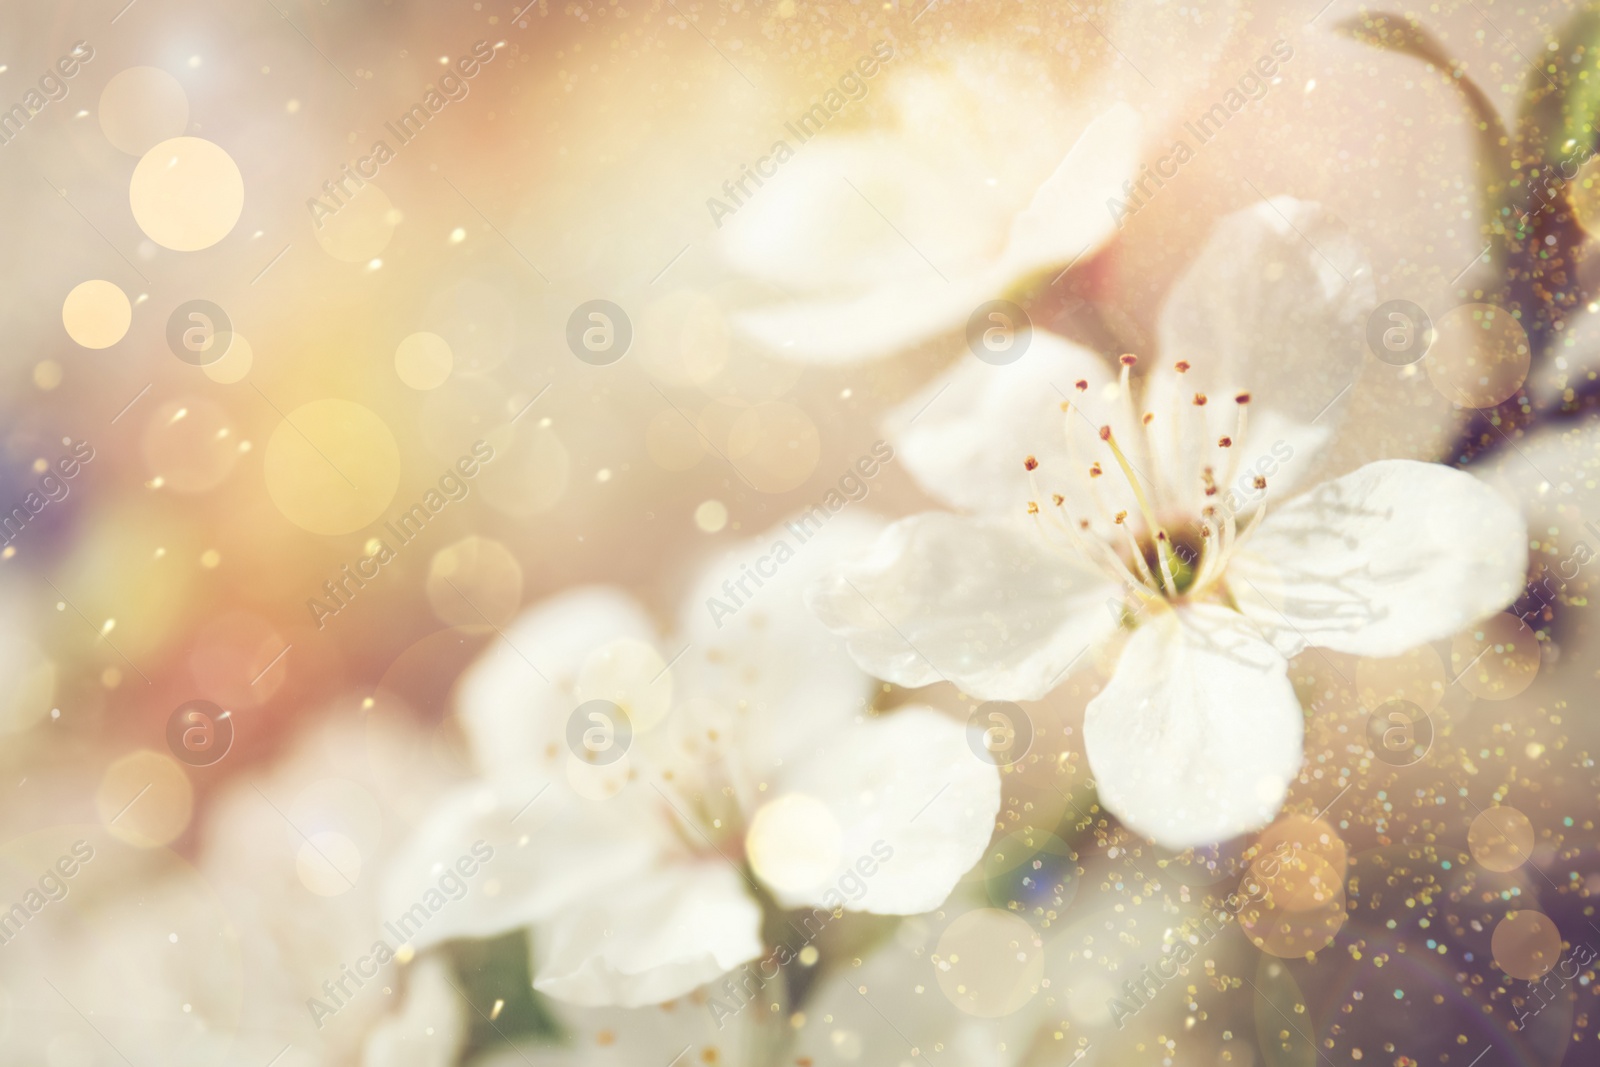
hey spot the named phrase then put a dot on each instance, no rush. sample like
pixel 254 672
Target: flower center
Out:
pixel 1172 547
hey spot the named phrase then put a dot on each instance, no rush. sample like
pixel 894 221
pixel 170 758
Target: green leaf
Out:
pixel 497 970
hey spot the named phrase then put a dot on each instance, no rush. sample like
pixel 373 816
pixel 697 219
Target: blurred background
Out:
pixel 254 365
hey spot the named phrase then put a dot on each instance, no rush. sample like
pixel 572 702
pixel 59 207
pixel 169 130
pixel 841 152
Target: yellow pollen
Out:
pixel 1033 508
pixel 1199 400
pixel 1121 515
pixel 1058 498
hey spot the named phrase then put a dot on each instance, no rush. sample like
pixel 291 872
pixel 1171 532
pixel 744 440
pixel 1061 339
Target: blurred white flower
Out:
pixel 875 239
pixel 1095 515
pixel 751 766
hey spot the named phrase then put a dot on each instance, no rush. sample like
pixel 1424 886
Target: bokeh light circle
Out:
pixel 1501 838
pixel 145 799
pixel 186 194
pixel 1526 944
pixel 475 581
pixel 989 963
pixel 234 364
pixel 423 360
pixel 794 843
pixel 331 466
pixel 1496 659
pixel 96 313
pixel 141 107
pixel 1480 355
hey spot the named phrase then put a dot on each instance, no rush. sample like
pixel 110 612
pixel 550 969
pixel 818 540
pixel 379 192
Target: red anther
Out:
pixel 1095 471
pixel 1182 366
pixel 1105 433
pixel 1031 463
pixel 1128 359
pixel 1058 498
pixel 1199 400
pixel 1260 482
pixel 1082 386
pixel 1149 417
pixel 1242 398
pixel 1224 442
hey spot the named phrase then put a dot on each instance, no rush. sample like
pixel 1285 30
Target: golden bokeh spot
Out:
pixel 1526 944
pixel 145 799
pixel 423 360
pixel 328 863
pixel 234 364
pixel 989 963
pixel 1501 838
pixel 189 445
pixel 794 843
pixel 1496 659
pixel 331 466
pixel 711 516
pixel 1479 356
pixel 142 106
pixel 186 194
pixel 475 581
pixel 96 313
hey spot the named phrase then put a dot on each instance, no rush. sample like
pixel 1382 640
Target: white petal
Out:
pixel 1068 215
pixel 649 939
pixel 966 436
pixel 515 719
pixel 1381 560
pixel 761 673
pixel 702 1033
pixel 915 803
pixel 430 1028
pixel 551 853
pixel 1197 736
pixel 1275 305
pixel 984 604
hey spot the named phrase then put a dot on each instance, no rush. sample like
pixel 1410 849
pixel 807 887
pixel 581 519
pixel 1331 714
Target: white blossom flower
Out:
pixel 1171 517
pixel 753 767
pixel 875 239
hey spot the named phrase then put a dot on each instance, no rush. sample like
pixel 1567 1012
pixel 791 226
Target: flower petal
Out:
pixel 1275 305
pixel 915 804
pixel 762 674
pixel 1198 734
pixel 556 851
pixel 515 701
pixel 966 436
pixel 984 604
pixel 1376 562
pixel 649 939
pixel 1066 217
pixel 430 1028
